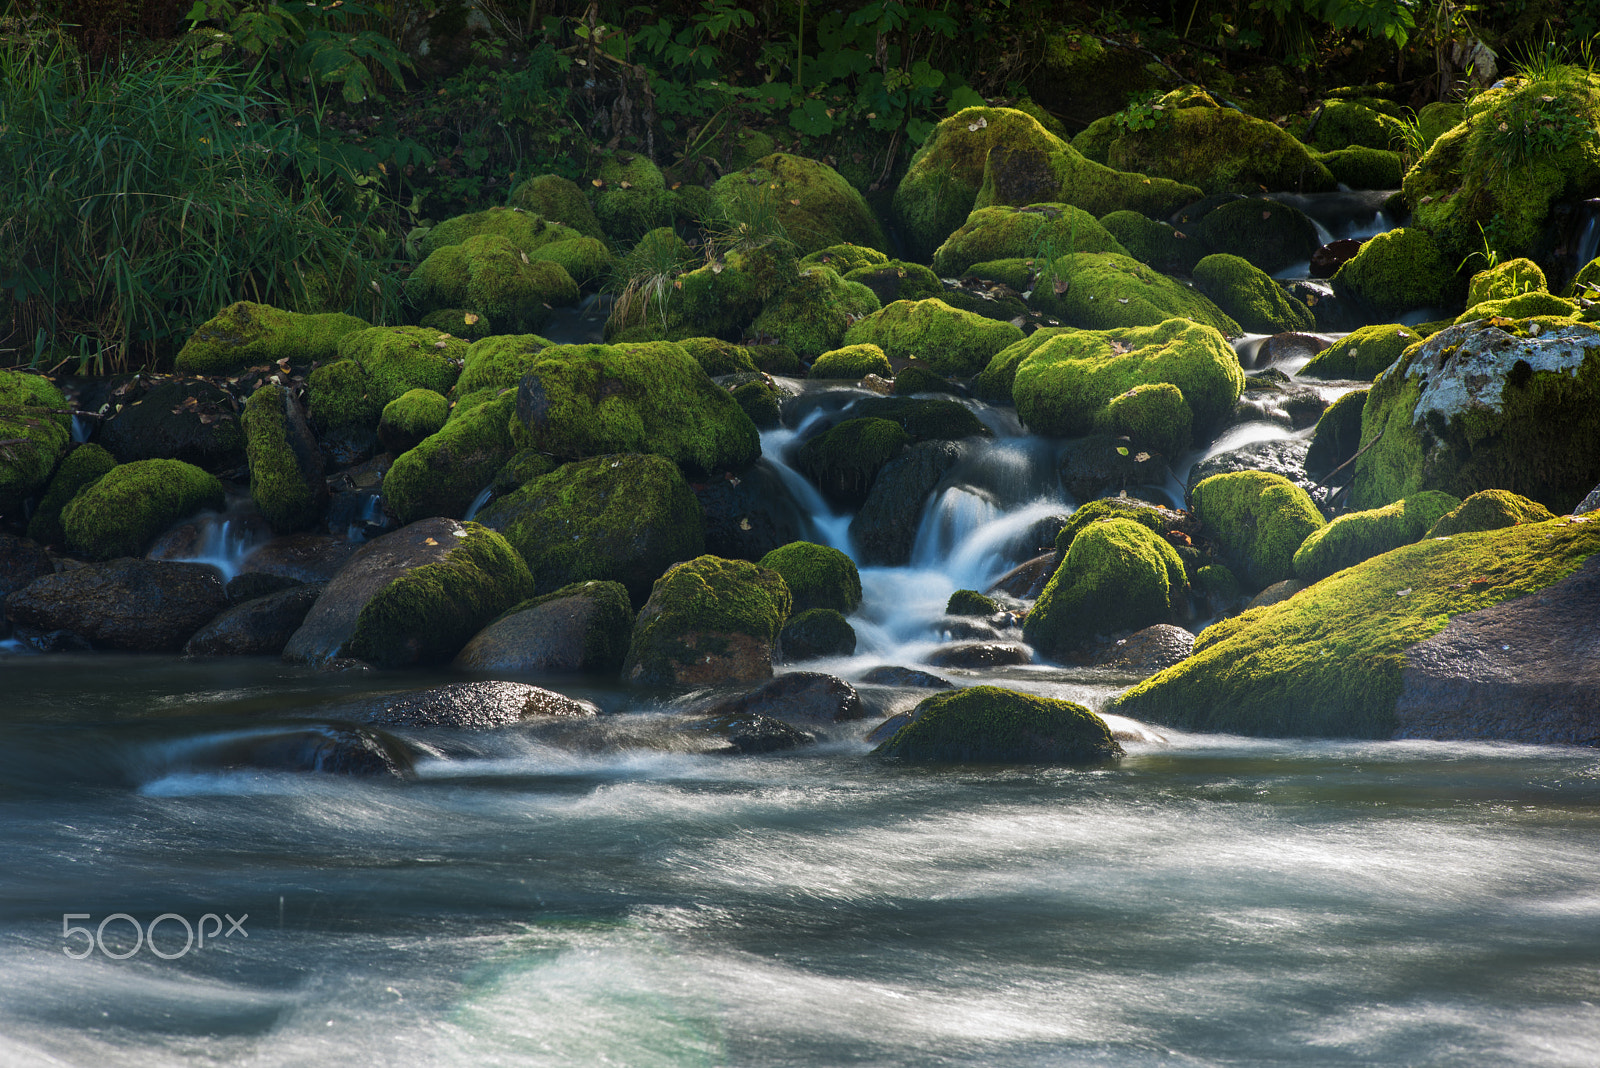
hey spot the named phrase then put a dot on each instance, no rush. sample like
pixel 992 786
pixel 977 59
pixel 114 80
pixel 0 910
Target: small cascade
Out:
pixel 477 503
pixel 824 525
pixel 222 540
pixel 82 428
pixel 1587 247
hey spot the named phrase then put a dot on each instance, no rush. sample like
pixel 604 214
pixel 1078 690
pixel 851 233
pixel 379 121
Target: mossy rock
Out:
pixel 245 334
pixel 1362 354
pixel 1489 509
pixel 844 461
pixel 1478 406
pixel 122 512
pixel 1346 124
pixel 1019 175
pixel 994 382
pixel 924 419
pixel 559 200
pixel 286 470
pixel 1437 118
pixel 1512 278
pixel 1156 242
pixel 817 576
pixel 1526 306
pixel 814 314
pixel 1270 234
pixel 1103 291
pixel 524 466
pixel 526 231
pixel 1250 297
pixel 816 632
pixel 1258 520
pixel 1153 517
pixel 489 274
pixel 774 359
pixel 971 603
pixel 1219 586
pixel 815 206
pixel 852 361
pixel 1357 536
pixel 632 199
pixel 1061 387
pixel 1041 231
pixel 81 467
pixel 586 259
pixel 622 518
pixel 1337 436
pixel 845 258
pixel 445 471
pixel 760 401
pixel 715 299
pixel 898 280
pixel 1328 661
pixel 1220 150
pixel 1365 168
pixel 950 341
pixel 1398 271
pixel 428 613
pixel 33 411
pixel 915 378
pixel 1117 575
pixel 1527 145
pixel 1018 274
pixel 411 417
pixel 498 362
pixel 459 322
pixel 1153 417
pixel 378 365
pixel 708 620
pixel 1080 76
pixel 586 400
pixel 718 357
pixel 990 725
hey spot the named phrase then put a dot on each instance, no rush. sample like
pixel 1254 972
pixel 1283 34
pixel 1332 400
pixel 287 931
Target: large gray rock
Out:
pixel 472 706
pixel 804 697
pixel 1147 651
pixel 584 627
pixel 1283 456
pixel 261 626
pixel 128 604
pixel 885 528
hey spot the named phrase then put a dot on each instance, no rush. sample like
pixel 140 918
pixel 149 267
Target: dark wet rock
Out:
pixel 583 627
pixel 253 584
pixel 473 706
pixel 1026 581
pixel 885 730
pixel 1099 464
pixel 1284 456
pixel 761 734
pixel 891 675
pixel 302 557
pixel 355 751
pixel 1524 670
pixel 1147 651
pixel 52 641
pixel 962 628
pixel 21 562
pixel 980 655
pixel 807 697
pixel 1288 404
pixel 814 633
pixel 750 515
pixel 258 627
pixel 127 604
pixel 885 528
pixel 1278 591
pixel 1327 259
pixel 178 419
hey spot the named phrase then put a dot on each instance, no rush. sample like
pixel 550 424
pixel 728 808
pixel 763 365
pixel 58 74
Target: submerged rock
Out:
pixel 804 697
pixel 990 725
pixel 814 633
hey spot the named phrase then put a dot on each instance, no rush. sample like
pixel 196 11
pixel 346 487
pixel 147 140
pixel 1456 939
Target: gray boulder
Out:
pixel 127 604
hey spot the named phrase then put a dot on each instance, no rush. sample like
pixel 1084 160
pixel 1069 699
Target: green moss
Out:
pixel 949 341
pixel 1250 296
pixel 1525 306
pixel 1147 515
pixel 1512 278
pixel 459 322
pixel 33 411
pixel 718 299
pixel 971 603
pixel 915 378
pixel 760 402
pixel 1364 168
pixel 1357 536
pixel 587 400
pixel 1258 520
pixel 121 512
pixel 844 460
pixel 427 614
pixel 696 610
pixel 498 362
pixel 1489 509
pixel 286 471
pixel 1270 234
pixel 852 361
pixel 526 231
pixel 1345 123
pixel 812 315
pixel 524 466
pixel 1220 151
pixel 245 334
pixel 1116 575
pixel 1102 291
pixel 376 366
pixel 81 467
pixel 1437 118
pixel 1362 354
pixel 586 259
pixel 1155 242
pixel 410 417
pixel 815 633
pixel 1327 662
pixel 1042 231
pixel 817 576
pixel 1218 585
pixel 718 357
pixel 845 258
pixel 898 280
pixel 990 725
pixel 1154 418
pixel 1337 435
pixel 1398 271
pixel 1021 174
pixel 442 474
pixel 774 359
pixel 1063 384
pixel 994 382
pixel 925 419
pixel 633 198
pixel 559 200
pixel 489 274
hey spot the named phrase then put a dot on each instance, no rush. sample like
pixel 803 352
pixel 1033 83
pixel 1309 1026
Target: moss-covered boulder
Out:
pixel 411 417
pixel 585 400
pixel 844 460
pixel 585 259
pixel 813 314
pixel 1102 291
pixel 898 280
pixel 1489 509
pixel 490 274
pixel 990 725
pixel 1250 297
pixel 1117 575
pixel 622 518
pixel 82 466
pixel 1328 661
pixel 245 334
pixel 845 258
pixel 527 231
pixel 1270 234
pixel 1258 520
pixel 1156 518
pixel 1525 306
pixel 817 576
pixel 814 633
pixel 1362 354
pixel 559 200
pixel 1398 271
pixel 460 322
pixel 1038 231
pixel 121 512
pixel 442 474
pixel 632 197
pixel 35 422
pixel 925 419
pixel 1346 123
pixel 1478 406
pixel 812 202
pixel 177 418
pixel 971 603
pixel 915 378
pixel 994 382
pixel 1365 168
pixel 497 363
pixel 1155 242
pixel 1337 436
pixel 718 299
pixel 1357 536
pixel 852 361
pixel 950 341
pixel 1061 387
pixel 582 628
pixel 376 366
pixel 1153 417
pixel 1512 278
pixel 1526 146
pixel 718 357
pixel 761 402
pixel 707 621
pixel 286 468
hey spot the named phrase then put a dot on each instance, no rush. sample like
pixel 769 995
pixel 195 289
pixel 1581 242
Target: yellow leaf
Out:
pixel 470 318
